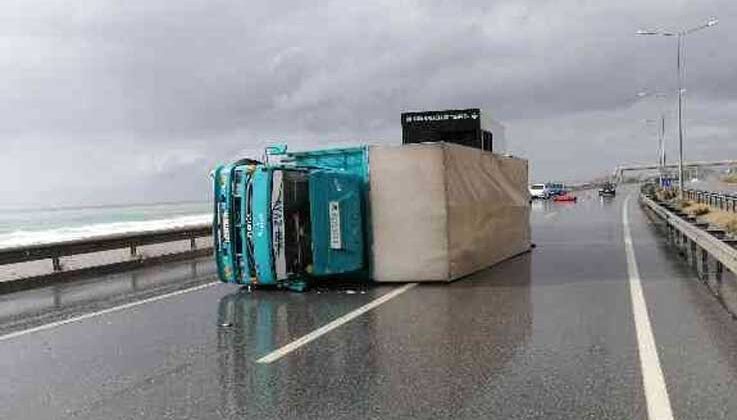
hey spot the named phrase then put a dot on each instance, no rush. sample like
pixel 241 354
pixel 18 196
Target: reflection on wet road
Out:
pixel 548 334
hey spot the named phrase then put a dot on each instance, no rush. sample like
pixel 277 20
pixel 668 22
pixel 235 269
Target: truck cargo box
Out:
pixel 441 211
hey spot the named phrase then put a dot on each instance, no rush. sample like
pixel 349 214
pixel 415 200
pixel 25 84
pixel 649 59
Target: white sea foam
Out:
pixel 30 237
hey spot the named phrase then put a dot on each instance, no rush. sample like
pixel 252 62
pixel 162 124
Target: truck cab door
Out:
pixel 336 206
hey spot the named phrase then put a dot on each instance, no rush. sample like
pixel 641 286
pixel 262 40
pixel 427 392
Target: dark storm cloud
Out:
pixel 123 99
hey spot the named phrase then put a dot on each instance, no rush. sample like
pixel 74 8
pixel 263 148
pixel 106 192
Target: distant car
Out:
pixel 555 189
pixel 565 197
pixel 539 191
pixel 607 190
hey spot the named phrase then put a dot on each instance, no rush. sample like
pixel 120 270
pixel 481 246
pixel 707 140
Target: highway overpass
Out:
pixel 552 334
pixel 620 170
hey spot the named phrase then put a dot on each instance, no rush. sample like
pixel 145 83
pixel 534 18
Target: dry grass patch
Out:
pixel 726 220
pixel 698 209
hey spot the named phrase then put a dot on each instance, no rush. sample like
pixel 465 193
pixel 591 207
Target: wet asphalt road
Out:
pixel 549 334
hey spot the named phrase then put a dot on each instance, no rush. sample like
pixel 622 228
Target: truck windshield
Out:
pixel 290 220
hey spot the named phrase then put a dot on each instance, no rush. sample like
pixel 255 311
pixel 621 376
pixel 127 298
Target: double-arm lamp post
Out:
pixel 680 35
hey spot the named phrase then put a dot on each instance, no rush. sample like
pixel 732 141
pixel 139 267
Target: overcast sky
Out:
pixel 135 100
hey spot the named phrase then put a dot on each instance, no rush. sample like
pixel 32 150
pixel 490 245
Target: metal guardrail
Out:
pixel 722 201
pixel 687 232
pixel 55 251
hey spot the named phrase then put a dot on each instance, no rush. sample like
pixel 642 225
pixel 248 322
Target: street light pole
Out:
pixel 661 131
pixel 661 151
pixel 680 115
pixel 679 63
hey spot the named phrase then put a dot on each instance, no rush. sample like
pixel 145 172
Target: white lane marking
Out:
pixel 656 393
pixel 551 215
pixel 294 345
pixel 102 312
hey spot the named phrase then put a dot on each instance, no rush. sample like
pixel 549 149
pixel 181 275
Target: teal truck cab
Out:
pixel 283 224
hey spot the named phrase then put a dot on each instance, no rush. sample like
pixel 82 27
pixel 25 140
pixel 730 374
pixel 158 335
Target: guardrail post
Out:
pixel 694 255
pixel 57 297
pixel 704 265
pixel 675 237
pixel 56 264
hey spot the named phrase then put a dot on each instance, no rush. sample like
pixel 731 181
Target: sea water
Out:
pixel 26 226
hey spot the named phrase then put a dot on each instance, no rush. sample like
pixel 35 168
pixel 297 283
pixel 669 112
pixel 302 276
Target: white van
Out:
pixel 539 191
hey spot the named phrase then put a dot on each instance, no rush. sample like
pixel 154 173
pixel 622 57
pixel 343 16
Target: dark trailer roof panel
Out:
pixel 468 127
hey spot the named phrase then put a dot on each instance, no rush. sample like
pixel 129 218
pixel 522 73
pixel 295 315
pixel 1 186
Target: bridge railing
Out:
pixel 719 200
pixel 133 242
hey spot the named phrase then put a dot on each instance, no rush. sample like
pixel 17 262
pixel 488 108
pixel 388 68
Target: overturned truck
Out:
pixel 420 212
pixel 416 212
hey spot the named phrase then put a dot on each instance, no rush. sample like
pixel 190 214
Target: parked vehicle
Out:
pixel 565 197
pixel 555 189
pixel 539 191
